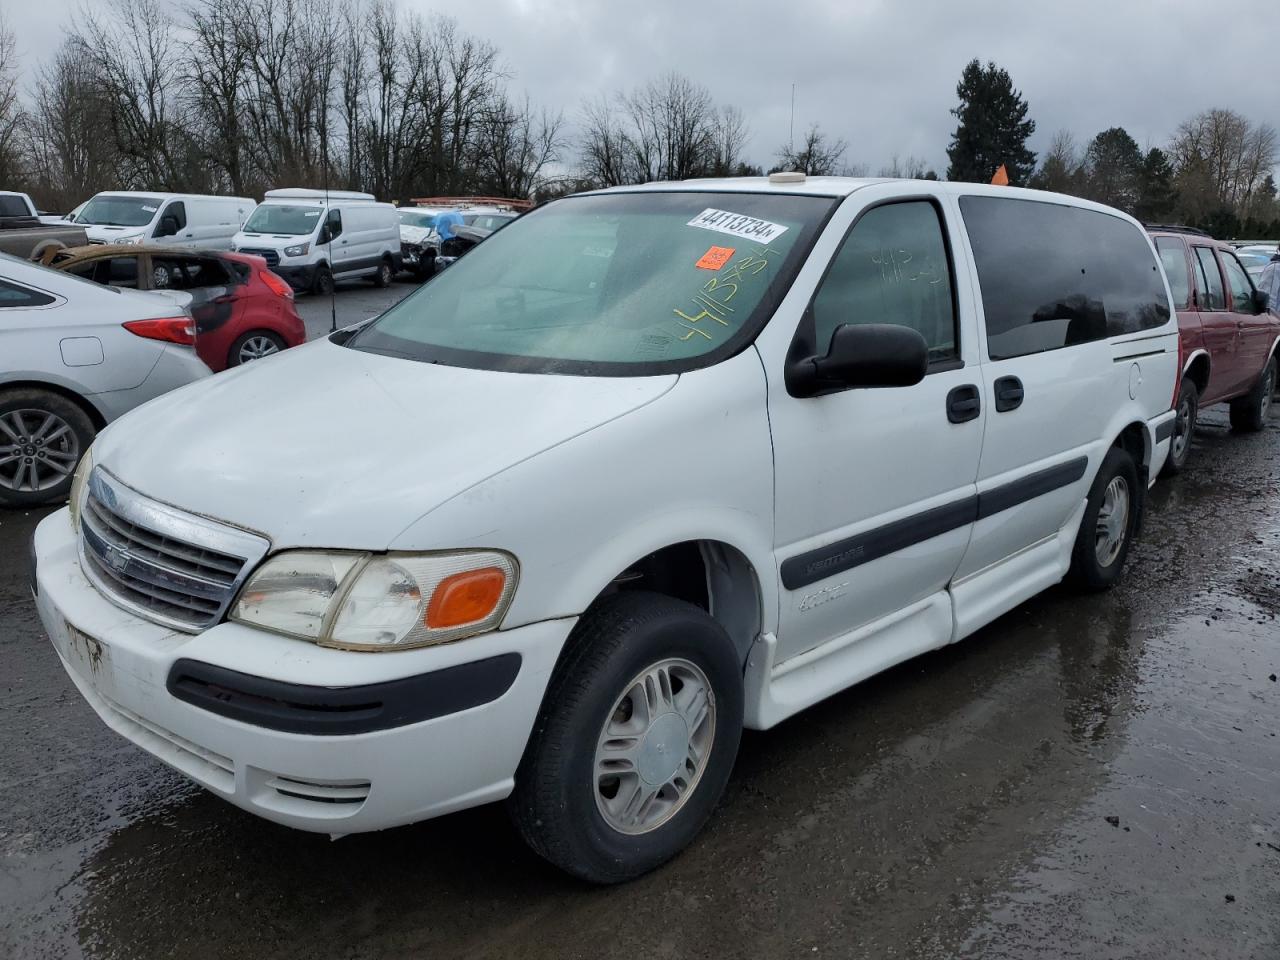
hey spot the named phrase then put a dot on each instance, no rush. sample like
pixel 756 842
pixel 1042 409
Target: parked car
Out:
pixel 1253 261
pixel 15 204
pixel 243 311
pixel 650 465
pixel 419 242
pixel 314 237
pixel 192 220
pixel 464 238
pixel 1228 336
pixel 24 234
pixel 73 357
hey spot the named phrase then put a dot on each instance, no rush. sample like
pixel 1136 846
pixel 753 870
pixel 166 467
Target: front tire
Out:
pixel 322 283
pixel 43 435
pixel 1249 413
pixel 1184 428
pixel 635 740
pixel 1110 520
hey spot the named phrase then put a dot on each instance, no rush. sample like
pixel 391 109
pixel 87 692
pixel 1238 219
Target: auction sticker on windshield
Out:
pixel 738 225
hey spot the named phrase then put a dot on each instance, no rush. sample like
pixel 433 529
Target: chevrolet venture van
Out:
pixel 649 466
pixel 189 220
pixel 313 237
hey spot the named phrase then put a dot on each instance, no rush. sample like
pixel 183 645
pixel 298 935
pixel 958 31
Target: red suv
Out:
pixel 1228 336
pixel 242 310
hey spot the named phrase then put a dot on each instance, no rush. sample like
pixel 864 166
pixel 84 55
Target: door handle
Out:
pixel 964 404
pixel 1009 394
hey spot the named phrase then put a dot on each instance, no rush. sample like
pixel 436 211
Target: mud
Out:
pixel 1087 777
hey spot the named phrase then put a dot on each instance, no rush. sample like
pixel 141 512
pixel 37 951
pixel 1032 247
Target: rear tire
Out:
pixel 253 346
pixel 1249 413
pixel 1110 520
pixel 579 802
pixel 322 283
pixel 385 274
pixel 1184 428
pixel 43 435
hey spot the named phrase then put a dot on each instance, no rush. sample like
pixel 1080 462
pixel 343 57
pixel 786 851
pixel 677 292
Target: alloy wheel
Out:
pixel 1113 522
pixel 256 348
pixel 38 450
pixel 654 746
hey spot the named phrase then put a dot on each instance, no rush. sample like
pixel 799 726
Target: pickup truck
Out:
pixel 24 235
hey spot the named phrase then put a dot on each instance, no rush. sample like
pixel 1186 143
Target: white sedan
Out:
pixel 74 356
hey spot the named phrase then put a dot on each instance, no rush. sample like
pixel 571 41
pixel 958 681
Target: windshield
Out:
pixel 294 220
pixel 119 211
pixel 488 221
pixel 610 284
pixel 414 218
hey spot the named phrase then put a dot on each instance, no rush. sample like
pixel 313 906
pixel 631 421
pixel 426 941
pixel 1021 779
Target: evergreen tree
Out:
pixel 1113 168
pixel 993 128
pixel 1156 196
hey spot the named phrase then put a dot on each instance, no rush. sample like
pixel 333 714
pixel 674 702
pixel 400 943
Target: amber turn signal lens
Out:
pixel 465 598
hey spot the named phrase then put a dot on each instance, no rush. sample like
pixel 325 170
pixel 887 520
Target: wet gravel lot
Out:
pixel 1087 777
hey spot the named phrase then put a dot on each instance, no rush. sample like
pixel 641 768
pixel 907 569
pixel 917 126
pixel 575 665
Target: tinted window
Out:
pixel 1173 256
pixel 1212 296
pixel 891 268
pixel 1239 284
pixel 178 210
pixel 1053 275
pixel 15 296
pixel 13 207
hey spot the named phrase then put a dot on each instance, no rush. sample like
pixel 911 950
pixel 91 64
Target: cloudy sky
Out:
pixel 879 73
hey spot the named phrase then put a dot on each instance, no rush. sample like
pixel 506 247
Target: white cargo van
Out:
pixel 314 237
pixel 185 219
pixel 646 467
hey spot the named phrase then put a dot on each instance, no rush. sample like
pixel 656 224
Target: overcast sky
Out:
pixel 879 74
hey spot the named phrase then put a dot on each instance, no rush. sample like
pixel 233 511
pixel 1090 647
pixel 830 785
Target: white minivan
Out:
pixel 314 237
pixel 649 465
pixel 184 219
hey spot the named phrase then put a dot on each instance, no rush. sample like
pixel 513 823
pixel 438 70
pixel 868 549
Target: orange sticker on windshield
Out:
pixel 715 258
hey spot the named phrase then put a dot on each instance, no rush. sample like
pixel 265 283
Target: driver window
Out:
pixel 334 224
pixel 892 267
pixel 1239 283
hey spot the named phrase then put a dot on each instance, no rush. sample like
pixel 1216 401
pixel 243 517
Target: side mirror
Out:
pixel 1261 300
pixel 168 226
pixel 862 355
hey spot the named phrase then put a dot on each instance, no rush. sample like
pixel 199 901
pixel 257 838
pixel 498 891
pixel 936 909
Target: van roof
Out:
pixel 162 195
pixel 306 193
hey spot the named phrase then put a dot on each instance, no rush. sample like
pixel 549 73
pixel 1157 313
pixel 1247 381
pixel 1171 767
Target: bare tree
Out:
pixel 10 112
pixel 604 147
pixel 1061 166
pixel 816 155
pixel 912 168
pixel 218 65
pixel 1221 160
pixel 514 147
pixel 728 140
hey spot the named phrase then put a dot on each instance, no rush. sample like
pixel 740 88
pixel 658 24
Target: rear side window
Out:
pixel 13 207
pixel 1212 296
pixel 892 267
pixel 1056 276
pixel 1238 283
pixel 1173 256
pixel 12 295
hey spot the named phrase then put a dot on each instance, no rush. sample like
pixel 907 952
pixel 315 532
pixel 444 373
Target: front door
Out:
pixel 875 487
pixel 1256 331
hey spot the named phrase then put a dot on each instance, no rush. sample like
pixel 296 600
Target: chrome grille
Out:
pixel 171 567
pixel 271 256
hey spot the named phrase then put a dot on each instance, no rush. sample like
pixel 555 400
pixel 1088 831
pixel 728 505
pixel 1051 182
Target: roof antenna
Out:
pixel 333 284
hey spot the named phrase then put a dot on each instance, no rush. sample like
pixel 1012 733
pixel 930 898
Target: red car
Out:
pixel 1229 338
pixel 242 310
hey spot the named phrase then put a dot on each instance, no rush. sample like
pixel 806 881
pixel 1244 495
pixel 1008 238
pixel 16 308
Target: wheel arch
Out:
pixel 1197 368
pixel 95 415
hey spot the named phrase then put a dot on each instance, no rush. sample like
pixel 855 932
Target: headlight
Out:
pixel 135 239
pixel 80 488
pixel 361 601
pixel 297 251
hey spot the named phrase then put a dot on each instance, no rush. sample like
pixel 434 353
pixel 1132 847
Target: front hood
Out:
pixel 268 239
pixel 331 447
pixel 414 234
pixel 107 234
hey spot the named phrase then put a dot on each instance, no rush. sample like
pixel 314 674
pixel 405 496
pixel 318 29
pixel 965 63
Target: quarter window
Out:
pixel 1173 256
pixel 1055 276
pixel 1212 295
pixel 1239 283
pixel 11 295
pixel 892 267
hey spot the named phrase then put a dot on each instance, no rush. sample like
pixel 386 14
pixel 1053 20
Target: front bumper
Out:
pixel 299 277
pixel 352 782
